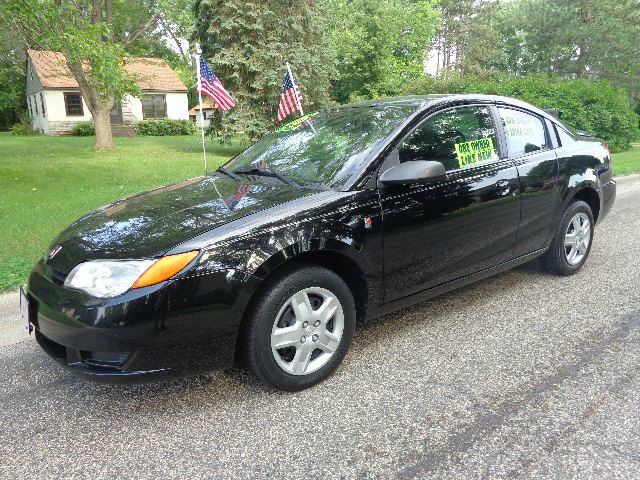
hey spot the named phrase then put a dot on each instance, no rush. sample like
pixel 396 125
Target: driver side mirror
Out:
pixel 418 171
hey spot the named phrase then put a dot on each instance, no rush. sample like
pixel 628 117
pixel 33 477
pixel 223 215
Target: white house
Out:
pixel 208 107
pixel 56 105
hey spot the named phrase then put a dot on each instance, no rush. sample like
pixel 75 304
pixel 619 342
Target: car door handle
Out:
pixel 503 187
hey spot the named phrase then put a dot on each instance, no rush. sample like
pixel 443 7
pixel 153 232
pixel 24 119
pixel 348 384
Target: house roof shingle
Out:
pixel 152 73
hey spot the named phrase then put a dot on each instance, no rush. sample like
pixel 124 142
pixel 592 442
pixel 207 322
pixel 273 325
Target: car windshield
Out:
pixel 323 148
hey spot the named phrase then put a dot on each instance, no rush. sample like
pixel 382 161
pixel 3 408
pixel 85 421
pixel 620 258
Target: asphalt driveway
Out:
pixel 522 375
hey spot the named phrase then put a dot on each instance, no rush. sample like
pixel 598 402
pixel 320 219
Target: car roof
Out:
pixel 443 100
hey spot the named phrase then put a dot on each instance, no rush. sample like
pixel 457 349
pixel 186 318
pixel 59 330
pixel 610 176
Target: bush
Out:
pixel 595 106
pixel 83 129
pixel 163 127
pixel 21 129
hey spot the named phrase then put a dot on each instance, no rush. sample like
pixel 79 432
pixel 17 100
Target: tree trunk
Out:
pixel 102 122
pixel 96 11
pixel 99 106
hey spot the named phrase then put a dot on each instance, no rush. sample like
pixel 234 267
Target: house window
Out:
pixel 29 105
pixel 73 104
pixel 42 103
pixel 35 104
pixel 154 106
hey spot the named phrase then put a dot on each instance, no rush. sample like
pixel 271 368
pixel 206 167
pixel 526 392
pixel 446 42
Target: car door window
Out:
pixel 457 138
pixel 525 132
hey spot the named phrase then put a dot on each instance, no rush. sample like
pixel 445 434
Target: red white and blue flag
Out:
pixel 290 98
pixel 212 87
pixel 241 192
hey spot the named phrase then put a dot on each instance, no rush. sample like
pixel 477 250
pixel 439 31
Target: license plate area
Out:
pixel 27 311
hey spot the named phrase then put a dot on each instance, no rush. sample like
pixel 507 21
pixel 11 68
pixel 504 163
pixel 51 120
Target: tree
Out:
pixel 379 44
pixel 12 82
pixel 468 37
pixel 247 45
pixel 94 36
pixel 567 38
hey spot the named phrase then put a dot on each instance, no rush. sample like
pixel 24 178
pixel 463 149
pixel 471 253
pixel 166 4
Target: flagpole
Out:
pixel 295 90
pixel 199 80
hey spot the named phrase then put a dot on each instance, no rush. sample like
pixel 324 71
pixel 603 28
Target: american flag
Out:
pixel 212 87
pixel 288 103
pixel 242 191
pixel 261 163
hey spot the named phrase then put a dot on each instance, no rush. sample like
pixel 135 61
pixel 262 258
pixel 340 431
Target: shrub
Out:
pixel 83 129
pixel 21 129
pixel 163 127
pixel 595 106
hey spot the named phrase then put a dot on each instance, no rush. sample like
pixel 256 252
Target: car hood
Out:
pixel 149 224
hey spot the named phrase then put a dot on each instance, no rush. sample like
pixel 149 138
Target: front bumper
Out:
pixel 179 327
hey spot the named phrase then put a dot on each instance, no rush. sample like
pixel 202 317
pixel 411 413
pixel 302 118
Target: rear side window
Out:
pixel 525 132
pixel 457 138
pixel 565 138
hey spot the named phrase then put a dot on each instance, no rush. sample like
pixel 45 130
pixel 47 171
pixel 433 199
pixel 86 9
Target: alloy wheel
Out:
pixel 577 238
pixel 307 331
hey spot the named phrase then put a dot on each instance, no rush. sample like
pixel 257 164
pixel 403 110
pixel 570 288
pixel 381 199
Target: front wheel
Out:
pixel 300 328
pixel 571 243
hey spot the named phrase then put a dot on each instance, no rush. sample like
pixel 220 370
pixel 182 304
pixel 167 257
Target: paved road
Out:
pixel 522 375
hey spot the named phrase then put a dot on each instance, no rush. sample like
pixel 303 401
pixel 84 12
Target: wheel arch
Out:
pixel 333 255
pixel 588 194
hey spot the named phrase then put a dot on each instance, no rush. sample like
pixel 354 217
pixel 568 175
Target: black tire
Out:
pixel 274 296
pixel 555 259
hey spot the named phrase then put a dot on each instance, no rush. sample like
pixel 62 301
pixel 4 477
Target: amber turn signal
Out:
pixel 165 268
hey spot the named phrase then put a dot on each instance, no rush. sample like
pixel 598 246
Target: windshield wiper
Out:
pixel 267 172
pixel 228 173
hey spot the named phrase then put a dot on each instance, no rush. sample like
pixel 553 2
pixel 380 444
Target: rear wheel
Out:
pixel 300 328
pixel 572 241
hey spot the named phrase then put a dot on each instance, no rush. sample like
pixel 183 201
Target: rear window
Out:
pixel 525 132
pixel 565 137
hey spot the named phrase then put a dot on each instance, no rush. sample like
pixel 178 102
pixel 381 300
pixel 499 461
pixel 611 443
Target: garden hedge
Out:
pixel 163 127
pixel 83 129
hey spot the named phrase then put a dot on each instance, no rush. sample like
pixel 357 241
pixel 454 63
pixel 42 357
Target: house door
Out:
pixel 116 113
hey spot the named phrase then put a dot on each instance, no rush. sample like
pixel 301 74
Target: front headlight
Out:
pixel 106 278
pixel 110 278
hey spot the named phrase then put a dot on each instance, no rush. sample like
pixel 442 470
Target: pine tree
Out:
pixel 247 45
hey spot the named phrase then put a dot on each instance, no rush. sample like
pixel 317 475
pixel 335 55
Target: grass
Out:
pixel 625 163
pixel 47 182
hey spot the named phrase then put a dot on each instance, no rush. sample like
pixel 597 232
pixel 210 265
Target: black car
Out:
pixel 343 215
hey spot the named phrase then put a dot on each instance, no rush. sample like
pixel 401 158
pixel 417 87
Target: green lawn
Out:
pixel 47 182
pixel 628 162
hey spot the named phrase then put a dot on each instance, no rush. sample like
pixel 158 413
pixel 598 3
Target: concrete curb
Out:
pixel 626 180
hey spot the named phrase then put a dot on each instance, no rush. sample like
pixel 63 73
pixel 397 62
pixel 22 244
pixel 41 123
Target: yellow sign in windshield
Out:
pixel 475 151
pixel 297 123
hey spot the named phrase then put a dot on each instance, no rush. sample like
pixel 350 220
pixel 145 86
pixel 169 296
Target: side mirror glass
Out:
pixel 418 171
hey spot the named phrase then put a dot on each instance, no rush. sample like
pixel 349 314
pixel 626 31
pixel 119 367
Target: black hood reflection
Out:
pixel 151 223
